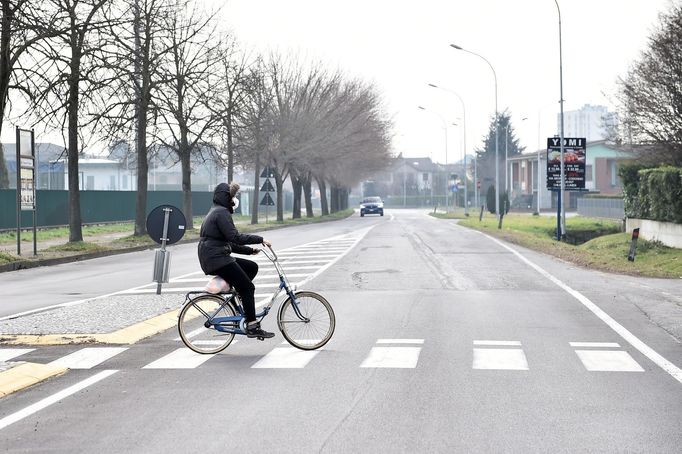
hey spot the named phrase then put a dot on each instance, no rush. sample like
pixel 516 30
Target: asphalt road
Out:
pixel 446 341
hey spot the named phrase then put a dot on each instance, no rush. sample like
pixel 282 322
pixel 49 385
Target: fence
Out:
pixel 611 208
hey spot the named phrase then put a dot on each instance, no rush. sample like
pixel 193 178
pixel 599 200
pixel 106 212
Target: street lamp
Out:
pixel 464 133
pixel 497 154
pixel 445 128
pixel 561 209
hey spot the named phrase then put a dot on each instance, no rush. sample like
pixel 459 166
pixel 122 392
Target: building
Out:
pixel 601 175
pixel 49 165
pixel 591 122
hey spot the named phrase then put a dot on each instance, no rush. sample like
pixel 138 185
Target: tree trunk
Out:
pixel 75 228
pixel 142 71
pixel 142 172
pixel 256 193
pixel 230 149
pixel 308 195
pixel 5 72
pixel 186 181
pixel 335 199
pixel 297 186
pixel 323 196
pixel 279 184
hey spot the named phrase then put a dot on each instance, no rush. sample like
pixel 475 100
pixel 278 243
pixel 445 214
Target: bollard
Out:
pixel 480 216
pixel 499 225
pixel 633 245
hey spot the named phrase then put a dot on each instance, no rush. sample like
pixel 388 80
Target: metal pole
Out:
pixel 18 191
pixel 506 156
pixel 447 194
pixel 476 180
pixel 561 208
pixel 539 182
pixel 35 192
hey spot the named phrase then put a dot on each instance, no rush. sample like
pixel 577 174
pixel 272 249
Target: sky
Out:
pixel 402 46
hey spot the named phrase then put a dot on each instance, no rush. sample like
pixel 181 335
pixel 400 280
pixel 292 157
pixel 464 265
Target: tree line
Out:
pixel 161 76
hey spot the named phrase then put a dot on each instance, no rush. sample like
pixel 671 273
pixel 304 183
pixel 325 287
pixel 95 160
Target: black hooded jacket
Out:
pixel 219 236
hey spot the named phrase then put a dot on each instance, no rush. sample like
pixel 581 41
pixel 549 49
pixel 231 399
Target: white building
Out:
pixel 589 121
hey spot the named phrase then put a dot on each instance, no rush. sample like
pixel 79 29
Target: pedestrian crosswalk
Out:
pixel 300 263
pixel 385 353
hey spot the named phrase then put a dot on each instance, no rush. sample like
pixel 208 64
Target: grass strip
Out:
pixel 607 252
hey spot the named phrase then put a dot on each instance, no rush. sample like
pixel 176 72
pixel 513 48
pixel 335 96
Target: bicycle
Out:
pixel 208 322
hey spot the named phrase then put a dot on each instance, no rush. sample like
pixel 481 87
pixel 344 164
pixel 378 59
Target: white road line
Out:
pixel 608 361
pixel 498 343
pixel 400 341
pixel 623 332
pixel 392 357
pixel 286 358
pixel 87 358
pixel 286 262
pixel 182 358
pixel 594 344
pixel 270 276
pixel 9 353
pixel 31 409
pixel 499 359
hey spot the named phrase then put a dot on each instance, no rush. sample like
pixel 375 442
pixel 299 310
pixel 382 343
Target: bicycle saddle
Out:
pixel 217 285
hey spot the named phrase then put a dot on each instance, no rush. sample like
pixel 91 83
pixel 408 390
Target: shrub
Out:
pixel 652 193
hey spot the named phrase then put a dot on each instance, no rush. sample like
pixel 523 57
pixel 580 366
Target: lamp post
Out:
pixel 464 135
pixel 445 128
pixel 561 209
pixel 497 154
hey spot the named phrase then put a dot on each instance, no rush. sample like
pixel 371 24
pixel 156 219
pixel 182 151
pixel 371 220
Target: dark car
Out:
pixel 371 205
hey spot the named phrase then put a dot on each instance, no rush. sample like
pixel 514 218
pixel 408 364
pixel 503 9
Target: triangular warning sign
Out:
pixel 267 187
pixel 267 200
pixel 267 172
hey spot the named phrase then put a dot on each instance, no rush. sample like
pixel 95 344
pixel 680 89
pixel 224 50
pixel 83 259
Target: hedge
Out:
pixel 652 193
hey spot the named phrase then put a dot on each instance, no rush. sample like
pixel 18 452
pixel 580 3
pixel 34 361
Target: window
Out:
pixel 112 182
pixel 614 174
pixel 90 185
pixel 125 182
pixel 425 177
pixel 588 173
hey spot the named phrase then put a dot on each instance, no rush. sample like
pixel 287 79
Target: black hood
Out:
pixel 221 195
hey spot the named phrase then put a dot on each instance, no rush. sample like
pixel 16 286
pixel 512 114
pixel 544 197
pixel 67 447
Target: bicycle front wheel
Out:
pixel 192 321
pixel 308 323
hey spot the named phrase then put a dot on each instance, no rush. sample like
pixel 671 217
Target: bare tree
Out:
pixel 68 79
pixel 128 106
pixel 184 105
pixel 650 96
pixel 24 24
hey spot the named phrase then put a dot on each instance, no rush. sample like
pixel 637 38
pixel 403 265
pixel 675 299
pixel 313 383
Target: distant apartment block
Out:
pixel 589 121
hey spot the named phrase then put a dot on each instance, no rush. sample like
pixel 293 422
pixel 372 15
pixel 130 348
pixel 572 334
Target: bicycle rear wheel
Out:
pixel 191 324
pixel 315 325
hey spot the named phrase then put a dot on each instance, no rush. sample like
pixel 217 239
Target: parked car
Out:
pixel 371 205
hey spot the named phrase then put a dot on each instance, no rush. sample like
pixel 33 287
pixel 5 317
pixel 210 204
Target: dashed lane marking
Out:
pixel 286 358
pixel 608 361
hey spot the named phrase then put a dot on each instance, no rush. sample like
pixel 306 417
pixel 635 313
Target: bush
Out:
pixel 652 193
pixel 490 199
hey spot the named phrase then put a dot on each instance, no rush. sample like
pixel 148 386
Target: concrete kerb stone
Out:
pixel 21 375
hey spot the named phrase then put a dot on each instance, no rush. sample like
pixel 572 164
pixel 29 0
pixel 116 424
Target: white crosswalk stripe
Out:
pixel 87 358
pixel 394 357
pixel 499 358
pixel 182 358
pixel 286 358
pixel 10 353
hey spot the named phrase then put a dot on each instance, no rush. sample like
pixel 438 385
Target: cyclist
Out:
pixel 219 238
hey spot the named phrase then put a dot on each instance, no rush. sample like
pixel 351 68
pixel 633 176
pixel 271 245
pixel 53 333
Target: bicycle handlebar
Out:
pixel 270 255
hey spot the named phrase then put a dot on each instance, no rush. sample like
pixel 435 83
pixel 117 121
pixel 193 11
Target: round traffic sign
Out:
pixel 176 224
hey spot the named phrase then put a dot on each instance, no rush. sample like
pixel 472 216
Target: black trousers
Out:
pixel 240 274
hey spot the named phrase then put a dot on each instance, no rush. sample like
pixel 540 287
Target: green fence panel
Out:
pixel 96 206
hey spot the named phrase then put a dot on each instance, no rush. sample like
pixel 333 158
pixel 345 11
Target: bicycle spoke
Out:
pixel 191 324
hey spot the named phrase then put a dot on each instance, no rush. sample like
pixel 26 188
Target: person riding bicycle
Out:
pixel 219 238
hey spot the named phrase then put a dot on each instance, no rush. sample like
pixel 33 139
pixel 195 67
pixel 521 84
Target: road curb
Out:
pixel 24 375
pixel 127 335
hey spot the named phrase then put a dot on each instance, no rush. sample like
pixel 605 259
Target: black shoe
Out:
pixel 256 331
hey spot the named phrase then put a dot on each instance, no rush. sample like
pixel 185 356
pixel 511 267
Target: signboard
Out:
pixel 26 177
pixel 574 163
pixel 267 200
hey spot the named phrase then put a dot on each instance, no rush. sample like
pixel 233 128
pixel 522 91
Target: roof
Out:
pixel 542 151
